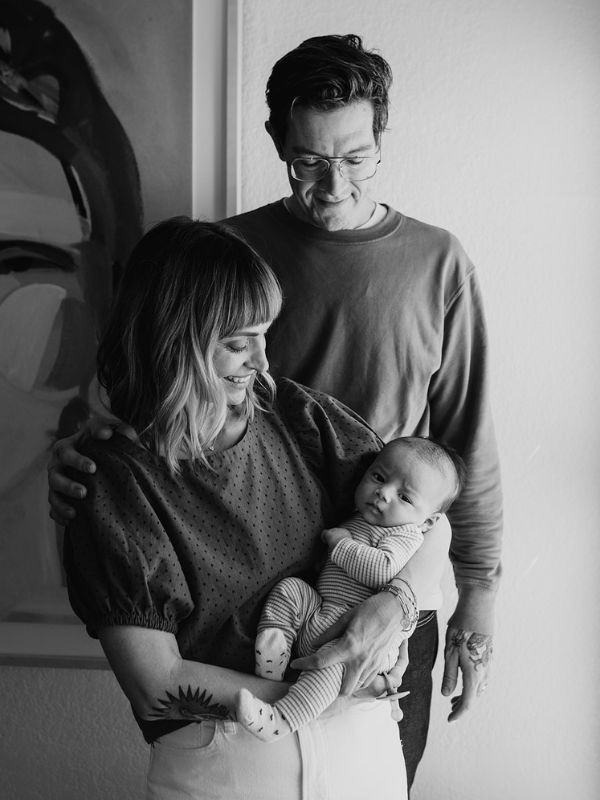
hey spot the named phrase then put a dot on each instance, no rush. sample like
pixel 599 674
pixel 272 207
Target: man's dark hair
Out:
pixel 326 72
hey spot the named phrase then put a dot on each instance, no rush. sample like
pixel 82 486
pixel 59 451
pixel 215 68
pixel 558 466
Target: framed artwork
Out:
pixel 96 111
pixel 233 155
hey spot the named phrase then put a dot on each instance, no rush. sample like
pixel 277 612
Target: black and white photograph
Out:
pixel 299 459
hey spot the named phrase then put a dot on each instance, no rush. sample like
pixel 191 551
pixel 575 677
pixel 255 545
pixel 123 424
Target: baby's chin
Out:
pixel 374 517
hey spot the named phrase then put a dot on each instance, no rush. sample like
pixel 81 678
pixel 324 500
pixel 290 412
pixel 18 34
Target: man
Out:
pixel 384 313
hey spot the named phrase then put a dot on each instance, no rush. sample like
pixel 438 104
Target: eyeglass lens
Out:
pixel 304 169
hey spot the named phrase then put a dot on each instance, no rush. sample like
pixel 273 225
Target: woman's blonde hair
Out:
pixel 186 286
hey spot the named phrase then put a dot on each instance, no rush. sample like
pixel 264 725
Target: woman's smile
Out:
pixel 243 349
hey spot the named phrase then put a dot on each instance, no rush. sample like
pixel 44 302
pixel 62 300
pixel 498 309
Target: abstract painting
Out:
pixel 70 211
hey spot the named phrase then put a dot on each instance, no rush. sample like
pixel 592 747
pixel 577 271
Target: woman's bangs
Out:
pixel 255 300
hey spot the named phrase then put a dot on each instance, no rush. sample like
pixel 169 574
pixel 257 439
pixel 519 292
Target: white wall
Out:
pixel 68 734
pixel 495 134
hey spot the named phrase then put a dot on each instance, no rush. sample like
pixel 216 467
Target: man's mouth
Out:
pixel 327 202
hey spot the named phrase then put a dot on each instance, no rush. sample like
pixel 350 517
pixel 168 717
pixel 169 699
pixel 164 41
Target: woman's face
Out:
pixel 238 358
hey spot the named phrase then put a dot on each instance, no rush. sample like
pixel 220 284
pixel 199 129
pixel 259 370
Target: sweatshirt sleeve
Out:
pixel 460 415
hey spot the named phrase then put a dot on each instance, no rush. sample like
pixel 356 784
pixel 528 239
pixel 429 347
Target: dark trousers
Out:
pixel 422 652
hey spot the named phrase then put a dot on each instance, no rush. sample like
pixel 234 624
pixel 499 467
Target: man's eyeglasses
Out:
pixel 314 168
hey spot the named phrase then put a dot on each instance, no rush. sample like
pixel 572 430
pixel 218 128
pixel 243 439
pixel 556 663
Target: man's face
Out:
pixel 333 202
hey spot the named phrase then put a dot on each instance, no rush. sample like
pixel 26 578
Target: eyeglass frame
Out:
pixel 330 161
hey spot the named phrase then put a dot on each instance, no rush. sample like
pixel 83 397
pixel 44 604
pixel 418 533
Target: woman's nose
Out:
pixel 258 355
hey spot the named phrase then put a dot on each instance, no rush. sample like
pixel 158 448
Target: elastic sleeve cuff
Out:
pixel 137 619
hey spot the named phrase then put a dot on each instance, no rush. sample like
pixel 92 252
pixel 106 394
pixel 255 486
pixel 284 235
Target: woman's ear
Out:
pixel 278 145
pixel 430 521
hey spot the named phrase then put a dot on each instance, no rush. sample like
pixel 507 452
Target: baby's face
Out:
pixel 399 488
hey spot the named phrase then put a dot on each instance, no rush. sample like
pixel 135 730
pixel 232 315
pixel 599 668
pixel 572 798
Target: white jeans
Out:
pixel 354 754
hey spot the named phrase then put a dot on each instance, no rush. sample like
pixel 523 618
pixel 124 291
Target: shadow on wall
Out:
pixel 71 211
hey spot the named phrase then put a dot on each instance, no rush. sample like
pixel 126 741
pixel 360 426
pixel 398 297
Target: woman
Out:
pixel 183 533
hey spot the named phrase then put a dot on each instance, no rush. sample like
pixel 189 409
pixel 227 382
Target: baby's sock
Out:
pixel 272 653
pixel 313 692
pixel 259 718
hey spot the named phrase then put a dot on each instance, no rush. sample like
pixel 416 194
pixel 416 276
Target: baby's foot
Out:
pixel 259 718
pixel 271 653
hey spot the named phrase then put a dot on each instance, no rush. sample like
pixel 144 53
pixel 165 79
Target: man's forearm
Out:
pixel 475 609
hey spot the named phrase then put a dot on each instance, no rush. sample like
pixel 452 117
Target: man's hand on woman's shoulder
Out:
pixel 65 456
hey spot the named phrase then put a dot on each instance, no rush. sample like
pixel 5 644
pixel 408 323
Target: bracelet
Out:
pixel 408 602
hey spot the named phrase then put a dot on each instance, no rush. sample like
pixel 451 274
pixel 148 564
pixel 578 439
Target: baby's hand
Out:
pixel 331 536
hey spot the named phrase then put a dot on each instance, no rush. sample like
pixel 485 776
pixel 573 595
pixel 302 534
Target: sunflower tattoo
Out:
pixel 190 704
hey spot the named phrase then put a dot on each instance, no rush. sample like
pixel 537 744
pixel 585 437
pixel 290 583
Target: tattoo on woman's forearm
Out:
pixel 190 704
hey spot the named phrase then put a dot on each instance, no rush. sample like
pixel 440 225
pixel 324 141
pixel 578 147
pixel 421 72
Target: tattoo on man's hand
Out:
pixel 479 646
pixel 191 705
pixel 480 649
pixel 458 638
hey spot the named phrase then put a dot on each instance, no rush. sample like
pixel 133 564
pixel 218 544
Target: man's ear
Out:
pixel 430 521
pixel 278 145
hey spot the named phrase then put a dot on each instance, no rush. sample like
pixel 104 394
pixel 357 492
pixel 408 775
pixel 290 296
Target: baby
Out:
pixel 411 483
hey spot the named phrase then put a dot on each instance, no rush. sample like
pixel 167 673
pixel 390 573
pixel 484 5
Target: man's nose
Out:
pixel 334 181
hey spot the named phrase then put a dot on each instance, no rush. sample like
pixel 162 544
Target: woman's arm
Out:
pixel 160 684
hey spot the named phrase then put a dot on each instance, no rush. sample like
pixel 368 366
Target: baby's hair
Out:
pixel 438 455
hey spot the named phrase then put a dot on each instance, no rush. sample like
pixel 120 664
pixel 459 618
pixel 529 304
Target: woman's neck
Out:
pixel 232 431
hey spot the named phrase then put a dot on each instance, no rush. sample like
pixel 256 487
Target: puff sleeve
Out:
pixel 336 443
pixel 121 566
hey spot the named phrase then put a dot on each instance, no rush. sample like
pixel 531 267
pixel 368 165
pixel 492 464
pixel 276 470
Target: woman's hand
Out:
pixel 363 637
pixel 65 455
pixel 386 688
pixel 387 685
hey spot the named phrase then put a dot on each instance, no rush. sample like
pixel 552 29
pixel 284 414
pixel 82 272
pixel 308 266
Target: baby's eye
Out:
pixel 377 477
pixel 405 498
